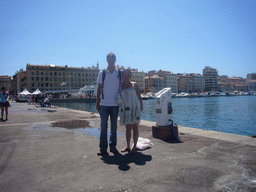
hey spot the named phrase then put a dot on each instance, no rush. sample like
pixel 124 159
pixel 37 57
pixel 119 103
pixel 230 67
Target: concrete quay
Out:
pixel 47 149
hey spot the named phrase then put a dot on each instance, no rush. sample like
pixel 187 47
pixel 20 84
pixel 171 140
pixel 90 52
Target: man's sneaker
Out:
pixel 102 152
pixel 113 150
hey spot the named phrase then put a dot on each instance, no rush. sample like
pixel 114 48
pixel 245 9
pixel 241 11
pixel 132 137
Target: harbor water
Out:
pixel 235 114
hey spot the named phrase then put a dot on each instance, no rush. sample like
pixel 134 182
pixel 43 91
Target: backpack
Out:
pixel 103 78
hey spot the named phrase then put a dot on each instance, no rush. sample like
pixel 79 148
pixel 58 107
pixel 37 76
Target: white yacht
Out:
pixel 89 91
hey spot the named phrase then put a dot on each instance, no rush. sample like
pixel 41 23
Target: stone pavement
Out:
pixel 54 149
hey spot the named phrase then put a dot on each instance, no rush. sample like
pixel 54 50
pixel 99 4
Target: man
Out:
pixel 108 87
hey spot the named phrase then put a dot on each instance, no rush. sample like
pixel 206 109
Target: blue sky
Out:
pixel 182 36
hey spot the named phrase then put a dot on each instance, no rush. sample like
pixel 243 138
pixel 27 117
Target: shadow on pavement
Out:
pixel 123 161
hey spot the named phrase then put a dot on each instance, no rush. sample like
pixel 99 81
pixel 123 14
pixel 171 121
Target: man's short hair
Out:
pixel 3 88
pixel 111 55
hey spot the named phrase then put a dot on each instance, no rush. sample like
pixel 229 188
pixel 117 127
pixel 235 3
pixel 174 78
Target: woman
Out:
pixel 131 109
pixel 4 103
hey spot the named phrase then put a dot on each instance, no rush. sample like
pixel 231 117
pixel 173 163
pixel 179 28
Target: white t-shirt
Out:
pixel 110 87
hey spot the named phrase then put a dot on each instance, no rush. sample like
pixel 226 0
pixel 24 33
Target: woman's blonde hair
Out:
pixel 127 69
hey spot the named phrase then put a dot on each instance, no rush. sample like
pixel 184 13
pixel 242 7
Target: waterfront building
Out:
pixel 170 79
pixel 5 81
pixel 251 76
pixel 19 82
pixel 211 78
pixel 191 83
pixel 241 87
pixel 251 85
pixel 154 83
pixel 231 84
pixel 236 80
pixel 223 87
pixel 59 78
pixel 139 78
pixel 199 83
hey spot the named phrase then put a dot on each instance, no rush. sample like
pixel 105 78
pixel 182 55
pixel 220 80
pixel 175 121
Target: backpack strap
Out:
pixel 120 75
pixel 103 78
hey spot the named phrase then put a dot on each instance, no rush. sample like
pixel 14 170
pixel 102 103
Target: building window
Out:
pixel 42 73
pixel 51 74
pixel 42 78
pixel 78 74
pixel 37 72
pixel 32 78
pixel 42 85
pixel 55 79
pixel 59 74
pixel 63 78
pixel 82 75
pixel 71 74
pixel 46 84
pixel 46 78
pixel 50 79
pixel 63 73
pixel 32 73
pixel 55 73
pixel 32 84
pixel 37 78
pixel 46 73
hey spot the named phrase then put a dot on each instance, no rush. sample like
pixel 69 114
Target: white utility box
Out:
pixel 164 107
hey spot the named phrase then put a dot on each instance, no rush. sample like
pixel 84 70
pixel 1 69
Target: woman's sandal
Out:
pixel 125 149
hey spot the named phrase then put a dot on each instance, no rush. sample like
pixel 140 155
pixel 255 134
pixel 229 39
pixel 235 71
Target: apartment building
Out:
pixel 154 83
pixel 191 83
pixel 251 76
pixel 230 84
pixel 171 79
pixel 139 78
pixel 5 81
pixel 57 78
pixel 19 82
pixel 251 85
pixel 211 78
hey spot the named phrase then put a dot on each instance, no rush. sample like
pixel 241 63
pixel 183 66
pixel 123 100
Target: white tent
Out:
pixel 25 92
pixel 36 92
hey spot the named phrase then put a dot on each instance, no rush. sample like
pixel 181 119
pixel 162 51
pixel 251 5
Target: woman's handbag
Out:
pixel 119 99
pixel 8 103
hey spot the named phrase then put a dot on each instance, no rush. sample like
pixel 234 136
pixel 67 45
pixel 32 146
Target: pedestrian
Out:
pixel 29 99
pixel 4 103
pixel 108 86
pixel 131 109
